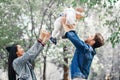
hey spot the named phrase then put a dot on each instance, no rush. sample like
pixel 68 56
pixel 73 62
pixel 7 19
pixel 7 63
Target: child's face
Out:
pixel 79 13
pixel 79 16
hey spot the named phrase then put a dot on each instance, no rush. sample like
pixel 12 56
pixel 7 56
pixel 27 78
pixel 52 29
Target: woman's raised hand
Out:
pixel 44 36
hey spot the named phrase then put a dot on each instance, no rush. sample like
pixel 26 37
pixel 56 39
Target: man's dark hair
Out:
pixel 99 40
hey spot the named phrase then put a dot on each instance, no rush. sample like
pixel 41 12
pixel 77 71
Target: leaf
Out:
pixel 74 3
pixel 83 1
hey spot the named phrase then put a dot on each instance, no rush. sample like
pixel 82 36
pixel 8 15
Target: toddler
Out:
pixel 71 16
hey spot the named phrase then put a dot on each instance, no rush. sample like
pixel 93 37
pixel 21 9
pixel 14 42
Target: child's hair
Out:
pixel 79 9
pixel 79 13
pixel 12 55
pixel 99 40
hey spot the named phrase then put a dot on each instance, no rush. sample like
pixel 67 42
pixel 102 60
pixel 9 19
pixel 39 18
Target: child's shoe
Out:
pixel 53 40
pixel 63 37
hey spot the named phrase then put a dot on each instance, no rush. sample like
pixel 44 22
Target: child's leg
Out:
pixel 57 28
pixel 57 36
pixel 60 33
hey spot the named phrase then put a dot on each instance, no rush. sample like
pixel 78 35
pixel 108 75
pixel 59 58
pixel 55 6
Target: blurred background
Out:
pixel 22 20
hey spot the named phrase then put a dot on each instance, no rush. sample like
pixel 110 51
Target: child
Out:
pixel 71 16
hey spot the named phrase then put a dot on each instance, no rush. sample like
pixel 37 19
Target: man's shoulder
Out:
pixel 88 47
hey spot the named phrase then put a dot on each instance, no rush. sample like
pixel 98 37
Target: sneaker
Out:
pixel 63 37
pixel 53 40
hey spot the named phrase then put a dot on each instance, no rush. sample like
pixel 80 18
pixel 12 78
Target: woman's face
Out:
pixel 20 51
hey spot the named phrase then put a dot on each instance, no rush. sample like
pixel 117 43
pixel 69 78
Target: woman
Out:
pixel 19 63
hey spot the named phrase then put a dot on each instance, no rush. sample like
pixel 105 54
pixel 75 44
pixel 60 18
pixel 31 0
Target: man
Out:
pixel 84 53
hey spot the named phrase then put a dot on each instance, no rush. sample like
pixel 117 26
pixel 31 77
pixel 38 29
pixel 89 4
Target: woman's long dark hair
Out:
pixel 12 55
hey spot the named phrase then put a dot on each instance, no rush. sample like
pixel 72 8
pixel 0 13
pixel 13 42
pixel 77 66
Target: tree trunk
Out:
pixel 65 68
pixel 44 68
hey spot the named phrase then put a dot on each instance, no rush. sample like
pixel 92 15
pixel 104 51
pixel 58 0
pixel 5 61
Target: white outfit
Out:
pixel 70 15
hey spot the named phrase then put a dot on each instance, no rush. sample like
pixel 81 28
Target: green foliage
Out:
pixel 90 3
pixel 83 1
pixel 4 1
pixel 112 1
pixel 114 28
pixel 74 3
pixel 10 32
pixel 115 38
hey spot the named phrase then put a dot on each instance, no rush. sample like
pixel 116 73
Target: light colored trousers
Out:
pixel 58 29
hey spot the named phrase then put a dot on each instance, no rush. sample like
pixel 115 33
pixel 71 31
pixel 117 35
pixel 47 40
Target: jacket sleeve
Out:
pixel 31 54
pixel 77 42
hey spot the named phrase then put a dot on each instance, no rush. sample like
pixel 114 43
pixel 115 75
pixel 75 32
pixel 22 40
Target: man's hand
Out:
pixel 67 28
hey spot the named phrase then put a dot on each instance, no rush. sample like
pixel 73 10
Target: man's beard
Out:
pixel 86 41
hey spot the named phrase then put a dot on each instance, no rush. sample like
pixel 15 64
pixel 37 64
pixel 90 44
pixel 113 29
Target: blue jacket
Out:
pixel 83 56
